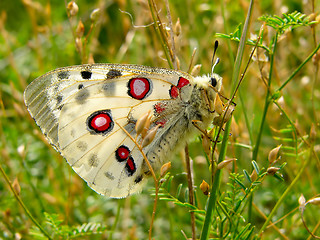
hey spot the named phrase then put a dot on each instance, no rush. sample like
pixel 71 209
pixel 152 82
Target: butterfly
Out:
pixel 86 112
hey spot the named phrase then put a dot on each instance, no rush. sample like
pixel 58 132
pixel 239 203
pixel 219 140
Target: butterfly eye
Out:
pixel 213 81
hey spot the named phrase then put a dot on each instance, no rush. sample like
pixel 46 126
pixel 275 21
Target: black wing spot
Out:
pixel 86 74
pixel 82 96
pixel 113 73
pixel 138 179
pixel 63 75
pixel 109 88
pixel 93 160
pixel 59 99
pixel 82 146
pixel 109 175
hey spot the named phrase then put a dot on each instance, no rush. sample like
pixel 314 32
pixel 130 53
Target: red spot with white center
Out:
pixel 122 153
pixel 182 82
pixel 130 166
pixel 100 122
pixel 139 88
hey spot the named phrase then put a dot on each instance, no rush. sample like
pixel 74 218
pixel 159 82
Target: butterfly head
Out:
pixel 212 81
pixel 206 89
pixel 215 81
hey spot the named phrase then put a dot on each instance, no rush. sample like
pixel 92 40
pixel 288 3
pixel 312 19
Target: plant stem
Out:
pixel 156 182
pixel 299 68
pixel 266 104
pixel 215 186
pixel 154 209
pixel 191 195
pixel 160 32
pixel 288 189
pixel 16 195
pixel 216 181
pixel 113 228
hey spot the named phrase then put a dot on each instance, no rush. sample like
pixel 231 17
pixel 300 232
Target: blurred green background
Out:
pixel 38 36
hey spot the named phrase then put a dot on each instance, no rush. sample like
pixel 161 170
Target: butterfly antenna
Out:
pixel 213 64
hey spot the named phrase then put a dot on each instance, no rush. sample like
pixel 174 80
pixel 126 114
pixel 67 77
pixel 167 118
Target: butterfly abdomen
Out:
pixel 179 127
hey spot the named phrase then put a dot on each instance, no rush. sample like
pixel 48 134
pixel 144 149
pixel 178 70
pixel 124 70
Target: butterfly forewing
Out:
pixel 80 108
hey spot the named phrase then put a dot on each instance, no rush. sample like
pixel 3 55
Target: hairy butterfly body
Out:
pixel 79 110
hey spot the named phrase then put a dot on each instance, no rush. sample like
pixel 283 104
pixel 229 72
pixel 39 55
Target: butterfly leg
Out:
pixel 208 103
pixel 196 124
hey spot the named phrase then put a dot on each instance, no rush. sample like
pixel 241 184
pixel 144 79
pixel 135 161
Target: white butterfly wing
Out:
pixel 80 108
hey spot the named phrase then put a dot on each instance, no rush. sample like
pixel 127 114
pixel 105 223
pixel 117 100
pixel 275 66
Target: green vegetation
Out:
pixel 268 190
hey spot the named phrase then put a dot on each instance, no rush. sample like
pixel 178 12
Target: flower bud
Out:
pixel 302 200
pixel 204 186
pixel 78 43
pixel 72 8
pixel 80 29
pixel 253 175
pixel 141 122
pixel 95 14
pixel 272 170
pixel 312 17
pixel 165 168
pixel 16 186
pixel 150 136
pixel 273 154
pixel 21 151
pixel 146 127
pixel 177 27
pixel 228 113
pixel 218 105
pixel 224 163
pixel 206 144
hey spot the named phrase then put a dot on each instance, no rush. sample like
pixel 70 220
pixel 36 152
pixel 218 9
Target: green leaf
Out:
pixel 179 190
pixel 240 184
pixel 255 166
pixel 246 174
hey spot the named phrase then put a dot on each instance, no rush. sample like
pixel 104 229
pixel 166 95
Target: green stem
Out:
pixel 159 31
pixel 264 116
pixel 226 29
pixel 298 68
pixel 215 186
pixel 266 104
pixel 246 118
pixel 16 195
pixel 295 179
pixel 216 181
pixel 286 192
pixel 113 228
pixel 268 100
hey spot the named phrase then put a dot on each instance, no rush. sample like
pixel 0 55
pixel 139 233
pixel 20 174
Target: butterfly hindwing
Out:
pixel 80 108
